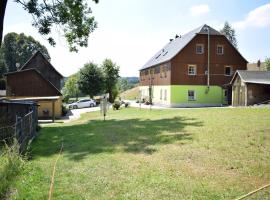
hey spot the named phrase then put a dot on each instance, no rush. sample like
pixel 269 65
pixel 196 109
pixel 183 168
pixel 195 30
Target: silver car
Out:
pixel 83 103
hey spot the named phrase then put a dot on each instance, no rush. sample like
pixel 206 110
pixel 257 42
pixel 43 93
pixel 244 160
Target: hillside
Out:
pixel 130 94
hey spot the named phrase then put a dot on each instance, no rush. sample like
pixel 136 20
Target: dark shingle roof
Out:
pixel 260 77
pixel 171 49
pixel 174 47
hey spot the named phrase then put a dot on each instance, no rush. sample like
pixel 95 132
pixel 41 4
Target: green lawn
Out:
pixel 217 153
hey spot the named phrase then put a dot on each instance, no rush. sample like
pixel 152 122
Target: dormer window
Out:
pixel 199 49
pixel 220 49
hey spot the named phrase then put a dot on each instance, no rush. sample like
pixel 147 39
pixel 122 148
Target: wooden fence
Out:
pixel 15 123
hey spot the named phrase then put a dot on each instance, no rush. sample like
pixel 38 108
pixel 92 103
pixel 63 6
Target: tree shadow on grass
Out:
pixel 129 135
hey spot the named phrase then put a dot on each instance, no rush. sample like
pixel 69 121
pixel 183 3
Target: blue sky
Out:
pixel 131 31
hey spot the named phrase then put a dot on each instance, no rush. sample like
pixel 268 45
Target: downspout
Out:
pixel 208 60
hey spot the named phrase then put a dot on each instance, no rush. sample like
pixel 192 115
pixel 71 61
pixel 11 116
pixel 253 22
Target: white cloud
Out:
pixel 259 17
pixel 201 9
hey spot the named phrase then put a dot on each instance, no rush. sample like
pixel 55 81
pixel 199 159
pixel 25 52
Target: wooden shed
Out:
pixel 250 87
pixel 37 81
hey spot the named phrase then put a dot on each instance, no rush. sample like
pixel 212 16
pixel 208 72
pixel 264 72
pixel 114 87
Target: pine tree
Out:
pixel 229 32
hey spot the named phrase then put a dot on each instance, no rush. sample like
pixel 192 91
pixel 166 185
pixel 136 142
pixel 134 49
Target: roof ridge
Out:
pixel 35 54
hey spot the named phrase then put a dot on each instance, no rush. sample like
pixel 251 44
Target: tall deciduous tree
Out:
pixel 91 79
pixel 18 48
pixel 72 16
pixel 229 32
pixel 111 76
pixel 71 87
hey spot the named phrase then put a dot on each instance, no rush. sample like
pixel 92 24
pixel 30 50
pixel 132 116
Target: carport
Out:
pixel 250 87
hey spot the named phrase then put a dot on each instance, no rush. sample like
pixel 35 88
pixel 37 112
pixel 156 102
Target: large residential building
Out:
pixel 177 75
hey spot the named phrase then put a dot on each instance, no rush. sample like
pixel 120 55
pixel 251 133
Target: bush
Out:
pixel 126 104
pixel 64 110
pixel 2 84
pixel 116 105
pixel 66 98
pixel 148 103
pixel 11 165
pixel 38 128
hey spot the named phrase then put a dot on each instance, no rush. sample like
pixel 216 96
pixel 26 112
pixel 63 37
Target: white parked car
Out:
pixel 83 103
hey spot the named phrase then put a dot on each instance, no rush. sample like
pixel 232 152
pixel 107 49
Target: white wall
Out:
pixel 164 99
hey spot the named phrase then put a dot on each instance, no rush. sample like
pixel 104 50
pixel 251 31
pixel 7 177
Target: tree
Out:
pixel 229 32
pixel 267 63
pixel 111 76
pixel 3 66
pixel 3 70
pixel 73 17
pixel 126 83
pixel 71 87
pixel 18 48
pixel 90 79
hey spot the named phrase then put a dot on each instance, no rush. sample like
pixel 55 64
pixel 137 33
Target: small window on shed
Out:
pixel 165 95
pixel 160 94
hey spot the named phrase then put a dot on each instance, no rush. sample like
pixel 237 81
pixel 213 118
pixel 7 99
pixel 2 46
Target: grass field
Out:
pixel 217 153
pixel 131 94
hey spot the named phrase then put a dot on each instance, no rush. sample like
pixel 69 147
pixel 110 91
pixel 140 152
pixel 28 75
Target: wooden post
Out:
pixel 53 111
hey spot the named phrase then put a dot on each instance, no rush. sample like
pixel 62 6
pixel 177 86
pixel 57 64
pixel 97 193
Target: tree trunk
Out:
pixel 3 5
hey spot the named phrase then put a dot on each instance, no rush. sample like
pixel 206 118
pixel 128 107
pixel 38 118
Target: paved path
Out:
pixel 137 105
pixel 76 113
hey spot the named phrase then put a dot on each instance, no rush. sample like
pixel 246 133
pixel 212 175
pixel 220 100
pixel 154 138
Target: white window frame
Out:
pixel 165 95
pixel 202 48
pixel 222 49
pixel 231 69
pixel 194 96
pixel 195 70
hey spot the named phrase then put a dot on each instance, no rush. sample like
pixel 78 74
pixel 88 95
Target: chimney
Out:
pixel 18 66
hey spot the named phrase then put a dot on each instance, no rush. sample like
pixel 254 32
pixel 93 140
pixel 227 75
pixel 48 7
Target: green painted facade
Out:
pixel 204 95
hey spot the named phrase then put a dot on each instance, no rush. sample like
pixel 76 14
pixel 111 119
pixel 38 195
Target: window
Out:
pixel 191 95
pixel 220 49
pixel 228 71
pixel 161 94
pixel 165 95
pixel 161 72
pixel 192 70
pixel 199 48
